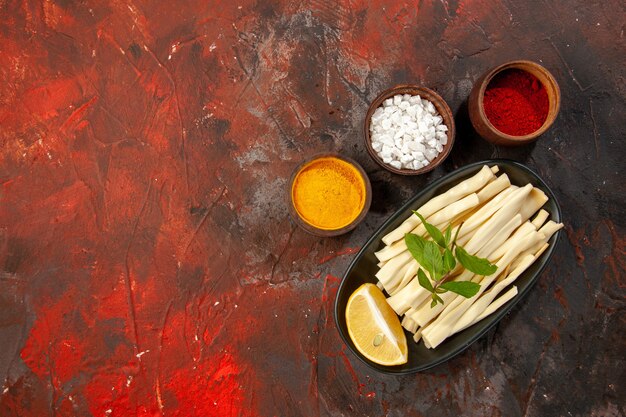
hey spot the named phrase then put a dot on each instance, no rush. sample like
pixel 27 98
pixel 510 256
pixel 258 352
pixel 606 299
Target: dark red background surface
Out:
pixel 147 262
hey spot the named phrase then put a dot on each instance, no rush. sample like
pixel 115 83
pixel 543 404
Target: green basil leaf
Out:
pixel 448 235
pixel 436 297
pixel 415 244
pixel 479 266
pixel 433 260
pixel 424 281
pixel 432 231
pixel 448 261
pixel 466 289
pixel 433 303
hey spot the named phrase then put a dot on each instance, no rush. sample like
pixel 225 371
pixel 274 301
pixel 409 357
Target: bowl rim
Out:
pixel 442 108
pixel 499 314
pixel 519 64
pixel 307 227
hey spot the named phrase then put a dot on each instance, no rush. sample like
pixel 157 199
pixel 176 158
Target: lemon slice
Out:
pixel 374 327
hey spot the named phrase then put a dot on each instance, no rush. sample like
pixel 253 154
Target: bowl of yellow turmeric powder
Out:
pixel 329 194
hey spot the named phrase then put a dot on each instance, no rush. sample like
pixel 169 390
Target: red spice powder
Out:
pixel 516 102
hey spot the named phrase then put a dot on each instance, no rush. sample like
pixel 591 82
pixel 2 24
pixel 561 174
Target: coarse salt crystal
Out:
pixel 396 164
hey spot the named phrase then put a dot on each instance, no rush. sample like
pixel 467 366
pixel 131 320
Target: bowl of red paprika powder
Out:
pixel 514 103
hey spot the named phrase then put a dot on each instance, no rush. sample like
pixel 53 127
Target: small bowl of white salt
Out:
pixel 409 129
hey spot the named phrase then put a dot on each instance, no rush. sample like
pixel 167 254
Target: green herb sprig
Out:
pixel 439 257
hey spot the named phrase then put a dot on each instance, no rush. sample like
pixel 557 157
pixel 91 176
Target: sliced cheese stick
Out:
pixel 540 218
pixel 392 267
pixel 460 190
pixel 402 300
pixel 541 250
pixel 491 308
pixel 501 236
pixel 548 230
pixel 498 220
pixel 499 302
pixel 446 215
pixel 493 188
pixel 518 247
pixel 412 299
pixel 409 325
pixel 474 220
pixel 393 284
pixel 536 200
pixel 525 229
pixel 441 328
pixel 410 272
pixel 481 304
pixel 425 313
pixel 417 335
pixel 421 297
pixel 409 312
pixel 536 254
pixel 443 216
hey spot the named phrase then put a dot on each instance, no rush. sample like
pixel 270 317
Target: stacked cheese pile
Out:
pixel 494 217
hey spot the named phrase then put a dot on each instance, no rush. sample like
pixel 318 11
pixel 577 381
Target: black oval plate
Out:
pixel 363 269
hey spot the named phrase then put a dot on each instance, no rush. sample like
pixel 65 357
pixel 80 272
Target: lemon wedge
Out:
pixel 374 327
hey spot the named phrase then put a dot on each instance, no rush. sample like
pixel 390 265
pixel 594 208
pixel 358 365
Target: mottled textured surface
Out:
pixel 148 265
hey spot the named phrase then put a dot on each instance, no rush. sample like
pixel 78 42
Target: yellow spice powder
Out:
pixel 328 193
